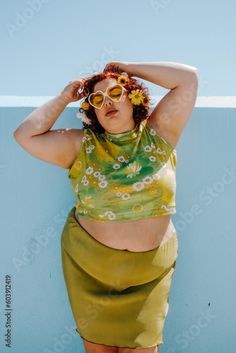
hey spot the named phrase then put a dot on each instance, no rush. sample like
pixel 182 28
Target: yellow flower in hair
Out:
pixel 85 105
pixel 136 97
pixel 122 80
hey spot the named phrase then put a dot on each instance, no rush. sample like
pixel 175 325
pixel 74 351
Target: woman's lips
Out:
pixel 112 112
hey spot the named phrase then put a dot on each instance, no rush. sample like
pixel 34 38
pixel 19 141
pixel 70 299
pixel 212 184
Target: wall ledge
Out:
pixel 36 101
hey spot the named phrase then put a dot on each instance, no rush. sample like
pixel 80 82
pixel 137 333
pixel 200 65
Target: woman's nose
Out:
pixel 107 100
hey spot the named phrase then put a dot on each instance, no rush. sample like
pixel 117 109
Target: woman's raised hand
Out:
pixel 74 90
pixel 116 66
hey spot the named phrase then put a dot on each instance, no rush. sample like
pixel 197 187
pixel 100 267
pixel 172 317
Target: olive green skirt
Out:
pixel 117 297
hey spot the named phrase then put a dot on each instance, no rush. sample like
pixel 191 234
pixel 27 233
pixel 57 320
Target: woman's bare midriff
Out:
pixel 137 235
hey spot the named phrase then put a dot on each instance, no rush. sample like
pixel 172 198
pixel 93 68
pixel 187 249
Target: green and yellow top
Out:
pixel 124 176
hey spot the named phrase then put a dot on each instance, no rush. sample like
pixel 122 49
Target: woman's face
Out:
pixel 122 120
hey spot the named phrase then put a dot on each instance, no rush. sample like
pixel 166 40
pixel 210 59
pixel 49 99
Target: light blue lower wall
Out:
pixel 36 197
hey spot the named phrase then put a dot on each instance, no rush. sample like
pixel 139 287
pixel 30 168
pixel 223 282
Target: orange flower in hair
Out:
pixel 123 80
pixel 85 105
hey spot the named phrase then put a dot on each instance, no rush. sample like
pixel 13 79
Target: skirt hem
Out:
pixel 115 345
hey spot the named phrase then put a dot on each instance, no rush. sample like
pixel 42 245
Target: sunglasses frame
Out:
pixel 105 94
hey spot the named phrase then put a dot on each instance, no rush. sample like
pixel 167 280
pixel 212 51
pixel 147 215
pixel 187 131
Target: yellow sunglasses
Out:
pixel 114 92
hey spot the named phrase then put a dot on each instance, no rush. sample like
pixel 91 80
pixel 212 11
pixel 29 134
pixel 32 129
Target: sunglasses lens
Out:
pixel 115 92
pixel 96 100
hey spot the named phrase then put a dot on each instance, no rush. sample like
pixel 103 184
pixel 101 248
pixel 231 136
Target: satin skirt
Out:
pixel 118 297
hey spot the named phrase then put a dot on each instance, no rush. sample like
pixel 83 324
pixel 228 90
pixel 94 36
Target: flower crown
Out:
pixel 136 97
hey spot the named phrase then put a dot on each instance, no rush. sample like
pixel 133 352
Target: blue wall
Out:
pixel 36 197
pixel 45 44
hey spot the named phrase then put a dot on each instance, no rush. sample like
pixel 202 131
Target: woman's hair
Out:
pixel 140 112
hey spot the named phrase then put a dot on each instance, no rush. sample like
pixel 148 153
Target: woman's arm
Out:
pixel 41 119
pixel 162 73
pixel 171 114
pixel 58 146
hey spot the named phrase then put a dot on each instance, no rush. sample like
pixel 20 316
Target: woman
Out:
pixel 119 245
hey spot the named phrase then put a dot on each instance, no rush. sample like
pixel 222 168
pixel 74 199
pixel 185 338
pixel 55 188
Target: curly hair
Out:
pixel 140 112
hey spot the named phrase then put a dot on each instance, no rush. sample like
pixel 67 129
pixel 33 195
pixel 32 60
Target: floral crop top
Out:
pixel 124 176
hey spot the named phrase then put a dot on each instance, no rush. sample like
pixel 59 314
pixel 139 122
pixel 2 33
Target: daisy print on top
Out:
pixel 125 176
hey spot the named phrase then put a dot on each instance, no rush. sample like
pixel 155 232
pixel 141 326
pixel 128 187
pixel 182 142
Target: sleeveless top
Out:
pixel 124 176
